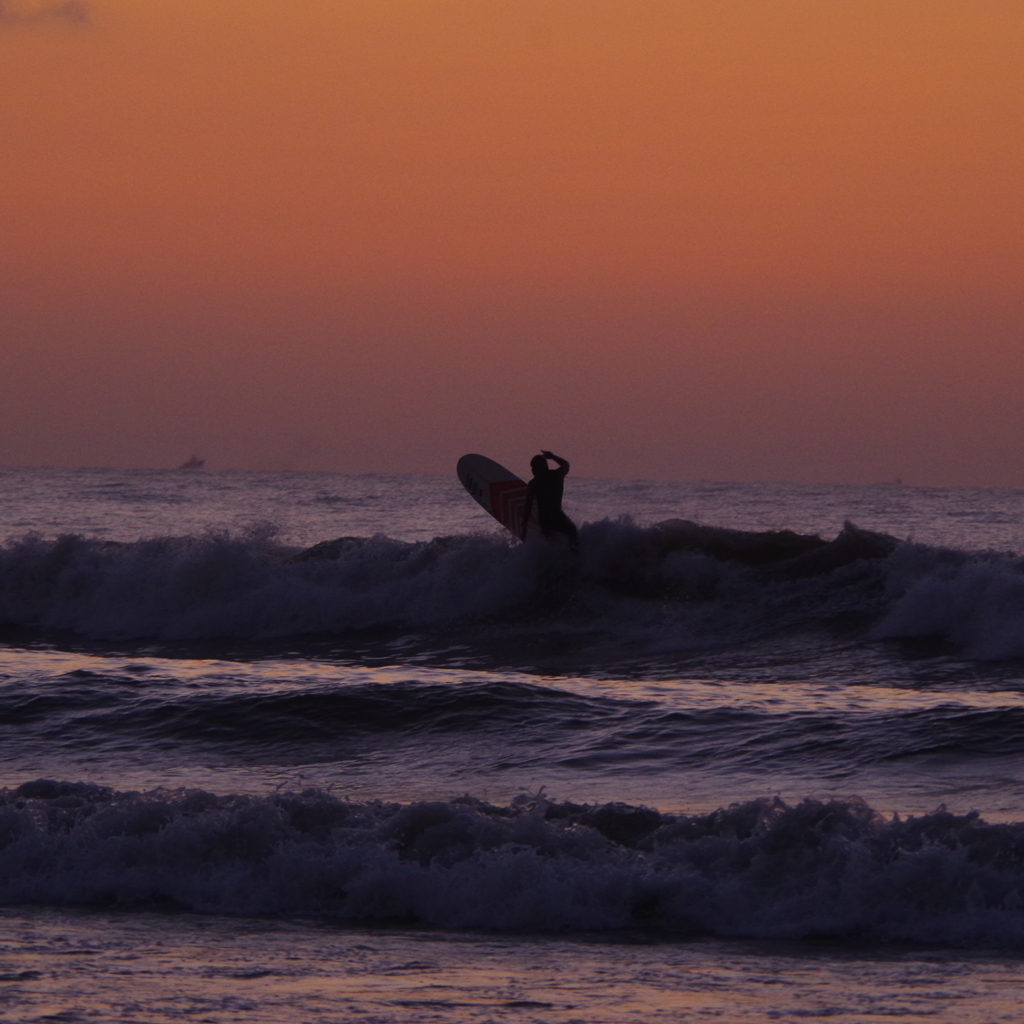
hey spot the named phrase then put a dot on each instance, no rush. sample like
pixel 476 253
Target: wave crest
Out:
pixel 674 586
pixel 223 585
pixel 758 869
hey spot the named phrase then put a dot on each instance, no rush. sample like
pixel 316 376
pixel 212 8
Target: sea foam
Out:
pixel 671 586
pixel 758 869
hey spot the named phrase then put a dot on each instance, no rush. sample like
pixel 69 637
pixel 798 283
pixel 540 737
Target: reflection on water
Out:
pixel 154 968
pixel 310 507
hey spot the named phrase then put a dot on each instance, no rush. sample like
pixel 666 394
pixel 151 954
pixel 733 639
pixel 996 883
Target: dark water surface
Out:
pixel 439 728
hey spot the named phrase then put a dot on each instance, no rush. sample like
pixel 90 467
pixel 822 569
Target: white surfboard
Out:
pixel 497 490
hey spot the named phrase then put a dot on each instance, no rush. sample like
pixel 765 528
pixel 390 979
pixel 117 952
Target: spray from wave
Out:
pixel 758 869
pixel 675 584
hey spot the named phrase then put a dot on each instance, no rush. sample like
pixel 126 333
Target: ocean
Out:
pixel 708 768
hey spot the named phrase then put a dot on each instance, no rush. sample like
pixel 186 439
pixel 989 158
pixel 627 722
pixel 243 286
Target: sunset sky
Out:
pixel 686 239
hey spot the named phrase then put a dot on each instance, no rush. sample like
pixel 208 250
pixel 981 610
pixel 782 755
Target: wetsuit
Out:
pixel 546 490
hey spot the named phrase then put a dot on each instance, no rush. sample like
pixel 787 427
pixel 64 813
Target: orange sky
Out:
pixel 724 239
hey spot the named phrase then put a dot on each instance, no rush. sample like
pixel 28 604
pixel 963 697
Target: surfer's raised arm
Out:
pixel 563 464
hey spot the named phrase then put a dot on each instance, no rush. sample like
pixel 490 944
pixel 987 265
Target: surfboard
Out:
pixel 497 490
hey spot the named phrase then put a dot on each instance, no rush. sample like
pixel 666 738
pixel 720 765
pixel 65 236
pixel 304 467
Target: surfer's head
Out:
pixel 539 465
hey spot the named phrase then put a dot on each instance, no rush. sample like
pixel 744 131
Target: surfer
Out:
pixel 546 490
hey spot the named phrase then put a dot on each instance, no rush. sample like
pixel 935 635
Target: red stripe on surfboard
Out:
pixel 508 499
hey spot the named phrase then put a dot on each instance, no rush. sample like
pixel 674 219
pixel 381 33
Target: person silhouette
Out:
pixel 545 489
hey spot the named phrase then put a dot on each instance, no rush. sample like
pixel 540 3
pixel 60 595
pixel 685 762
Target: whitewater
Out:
pixel 321 747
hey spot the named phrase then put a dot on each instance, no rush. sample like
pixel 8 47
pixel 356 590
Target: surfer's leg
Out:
pixel 568 527
pixel 560 524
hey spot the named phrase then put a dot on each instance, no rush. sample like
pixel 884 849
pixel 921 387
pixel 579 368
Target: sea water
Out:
pixel 435 774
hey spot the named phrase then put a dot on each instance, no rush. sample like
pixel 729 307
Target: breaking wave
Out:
pixel 758 869
pixel 672 584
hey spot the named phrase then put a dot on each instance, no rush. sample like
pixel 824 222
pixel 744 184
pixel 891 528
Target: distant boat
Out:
pixel 193 463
